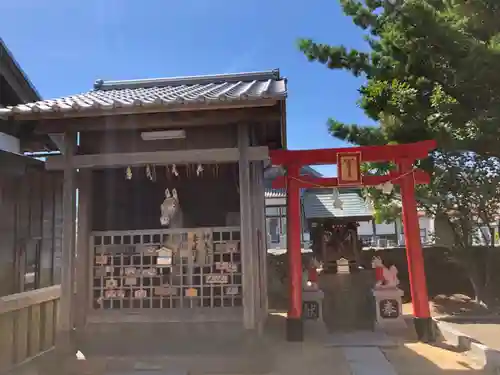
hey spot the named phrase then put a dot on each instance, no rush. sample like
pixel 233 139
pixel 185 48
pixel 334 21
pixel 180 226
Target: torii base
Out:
pixel 424 327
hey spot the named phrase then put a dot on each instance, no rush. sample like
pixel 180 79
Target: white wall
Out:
pixel 385 228
pixel 426 223
pixel 366 228
pixel 9 143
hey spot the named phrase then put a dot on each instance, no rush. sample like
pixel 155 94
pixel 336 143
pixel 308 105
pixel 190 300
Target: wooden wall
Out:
pixel 30 249
pixel 27 325
pixel 131 141
pixel 30 224
pixel 121 204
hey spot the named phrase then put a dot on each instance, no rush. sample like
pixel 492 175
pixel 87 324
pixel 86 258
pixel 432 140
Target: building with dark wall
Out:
pixel 16 88
pixel 276 210
pixel 27 243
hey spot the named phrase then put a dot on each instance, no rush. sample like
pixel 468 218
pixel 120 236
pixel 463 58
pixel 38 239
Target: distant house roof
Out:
pixel 149 95
pixel 319 204
pixel 275 193
pixel 15 77
pixel 275 171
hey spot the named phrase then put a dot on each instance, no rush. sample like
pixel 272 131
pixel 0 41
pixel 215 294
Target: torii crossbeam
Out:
pixel 349 174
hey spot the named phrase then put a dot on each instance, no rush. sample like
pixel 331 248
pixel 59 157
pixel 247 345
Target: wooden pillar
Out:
pixel 295 327
pixel 82 246
pixel 418 287
pixel 66 312
pixel 261 205
pixel 259 234
pixel 247 258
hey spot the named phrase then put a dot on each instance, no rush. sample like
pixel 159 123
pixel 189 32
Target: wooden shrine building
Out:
pixel 163 186
pixel 332 216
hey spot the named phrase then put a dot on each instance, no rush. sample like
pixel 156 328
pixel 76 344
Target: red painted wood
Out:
pixel 421 178
pixel 293 243
pixel 414 255
pixel 407 178
pixel 413 151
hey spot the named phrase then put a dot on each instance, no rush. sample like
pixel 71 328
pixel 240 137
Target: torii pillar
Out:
pixel 349 161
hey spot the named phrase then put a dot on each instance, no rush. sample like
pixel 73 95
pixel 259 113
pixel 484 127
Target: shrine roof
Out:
pixel 148 95
pixel 319 204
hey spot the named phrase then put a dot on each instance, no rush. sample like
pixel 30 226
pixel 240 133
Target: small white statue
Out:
pixel 387 278
pixel 169 207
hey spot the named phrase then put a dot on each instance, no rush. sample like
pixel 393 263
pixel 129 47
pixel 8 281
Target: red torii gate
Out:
pixel 349 174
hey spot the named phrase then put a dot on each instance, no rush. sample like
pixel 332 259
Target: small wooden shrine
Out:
pixel 170 216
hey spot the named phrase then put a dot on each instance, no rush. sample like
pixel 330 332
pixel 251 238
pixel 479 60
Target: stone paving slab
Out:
pixel 310 359
pixel 361 338
pixel 368 361
pixel 418 358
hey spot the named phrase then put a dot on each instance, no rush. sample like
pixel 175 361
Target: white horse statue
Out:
pixel 171 214
pixel 387 278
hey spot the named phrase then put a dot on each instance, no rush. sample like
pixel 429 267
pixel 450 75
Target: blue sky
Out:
pixel 64 46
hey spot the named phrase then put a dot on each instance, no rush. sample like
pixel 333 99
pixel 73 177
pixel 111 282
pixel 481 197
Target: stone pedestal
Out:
pixel 312 305
pixel 388 307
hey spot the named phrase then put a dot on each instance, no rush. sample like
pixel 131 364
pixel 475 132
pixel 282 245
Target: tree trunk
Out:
pixel 481 294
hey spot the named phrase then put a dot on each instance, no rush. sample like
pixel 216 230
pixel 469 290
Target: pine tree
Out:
pixel 432 72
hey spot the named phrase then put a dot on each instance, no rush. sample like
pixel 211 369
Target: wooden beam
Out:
pixel 421 178
pixel 207 156
pixel 411 151
pixel 166 120
pixel 260 242
pixel 248 264
pixel 23 300
pixel 65 315
pixel 83 268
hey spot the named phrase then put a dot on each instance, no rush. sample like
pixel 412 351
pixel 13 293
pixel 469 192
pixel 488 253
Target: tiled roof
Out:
pixel 275 193
pixel 319 204
pixel 8 61
pixel 164 92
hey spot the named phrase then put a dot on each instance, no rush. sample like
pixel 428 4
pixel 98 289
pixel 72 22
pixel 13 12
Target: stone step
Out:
pixel 168 365
pixel 347 303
